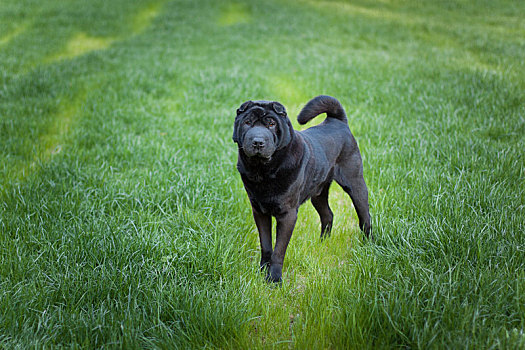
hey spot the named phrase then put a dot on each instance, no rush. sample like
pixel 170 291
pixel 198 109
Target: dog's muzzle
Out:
pixel 258 141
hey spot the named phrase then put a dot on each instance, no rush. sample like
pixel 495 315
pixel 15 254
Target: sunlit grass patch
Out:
pixel 81 44
pixel 143 19
pixel 381 12
pixel 62 123
pixel 18 30
pixel 234 13
pixel 50 142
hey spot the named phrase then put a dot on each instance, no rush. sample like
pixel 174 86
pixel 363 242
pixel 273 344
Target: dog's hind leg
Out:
pixel 326 215
pixel 349 175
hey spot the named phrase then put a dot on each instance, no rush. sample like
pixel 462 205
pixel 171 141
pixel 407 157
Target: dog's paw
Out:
pixel 274 281
pixel 274 274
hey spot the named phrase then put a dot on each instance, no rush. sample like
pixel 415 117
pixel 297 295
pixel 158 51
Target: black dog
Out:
pixel 281 168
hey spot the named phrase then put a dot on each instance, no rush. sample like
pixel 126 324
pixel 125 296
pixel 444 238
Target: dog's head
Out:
pixel 261 128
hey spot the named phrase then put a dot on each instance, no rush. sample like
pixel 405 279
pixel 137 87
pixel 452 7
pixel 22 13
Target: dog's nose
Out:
pixel 258 142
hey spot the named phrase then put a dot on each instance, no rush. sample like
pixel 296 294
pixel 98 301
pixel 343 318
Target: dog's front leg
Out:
pixel 264 226
pixel 285 226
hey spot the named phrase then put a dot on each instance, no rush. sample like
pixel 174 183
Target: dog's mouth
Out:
pixel 256 155
pixel 261 157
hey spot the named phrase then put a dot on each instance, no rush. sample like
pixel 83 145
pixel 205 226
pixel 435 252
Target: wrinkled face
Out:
pixel 261 128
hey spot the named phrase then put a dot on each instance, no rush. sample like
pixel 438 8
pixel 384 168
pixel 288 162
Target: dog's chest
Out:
pixel 269 197
pixel 270 207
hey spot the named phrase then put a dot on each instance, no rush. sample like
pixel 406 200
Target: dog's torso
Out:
pixel 311 160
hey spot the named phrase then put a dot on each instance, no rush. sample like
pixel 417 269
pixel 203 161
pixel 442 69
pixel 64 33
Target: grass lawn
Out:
pixel 124 223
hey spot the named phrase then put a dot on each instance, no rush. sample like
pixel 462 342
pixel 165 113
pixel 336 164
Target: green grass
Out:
pixel 123 221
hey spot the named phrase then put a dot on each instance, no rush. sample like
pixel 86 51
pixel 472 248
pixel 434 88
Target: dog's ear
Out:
pixel 279 108
pixel 286 128
pixel 235 132
pixel 244 107
pixel 287 133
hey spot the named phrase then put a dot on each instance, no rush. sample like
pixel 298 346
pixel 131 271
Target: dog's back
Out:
pixel 333 136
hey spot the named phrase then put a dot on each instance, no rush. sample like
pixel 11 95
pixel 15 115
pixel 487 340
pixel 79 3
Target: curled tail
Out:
pixel 322 104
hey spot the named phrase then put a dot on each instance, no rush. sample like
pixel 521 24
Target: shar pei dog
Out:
pixel 281 168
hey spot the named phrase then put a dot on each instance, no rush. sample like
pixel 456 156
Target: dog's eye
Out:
pixel 271 123
pixel 247 122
